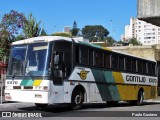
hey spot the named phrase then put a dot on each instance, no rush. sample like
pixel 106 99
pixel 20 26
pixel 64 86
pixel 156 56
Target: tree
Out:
pixel 61 34
pixel 20 37
pixel 110 41
pixel 74 30
pixel 97 32
pixel 134 41
pixel 11 24
pixel 5 41
pixel 43 33
pixel 31 27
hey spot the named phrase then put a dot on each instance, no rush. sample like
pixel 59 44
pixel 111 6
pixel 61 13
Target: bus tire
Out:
pixel 41 106
pixel 77 99
pixel 140 98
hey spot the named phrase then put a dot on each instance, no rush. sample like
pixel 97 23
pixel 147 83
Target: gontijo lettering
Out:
pixel 131 78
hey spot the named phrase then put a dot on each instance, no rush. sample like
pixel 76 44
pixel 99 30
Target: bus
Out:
pixel 59 70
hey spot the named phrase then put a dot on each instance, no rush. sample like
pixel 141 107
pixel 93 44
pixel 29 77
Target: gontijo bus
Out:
pixel 52 70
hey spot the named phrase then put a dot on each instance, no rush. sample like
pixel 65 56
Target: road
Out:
pixel 122 111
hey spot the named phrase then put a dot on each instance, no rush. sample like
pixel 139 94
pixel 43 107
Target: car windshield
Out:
pixel 29 60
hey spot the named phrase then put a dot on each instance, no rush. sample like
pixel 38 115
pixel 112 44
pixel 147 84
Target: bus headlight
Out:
pixel 8 87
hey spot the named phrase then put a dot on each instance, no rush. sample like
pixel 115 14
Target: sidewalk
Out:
pixel 156 99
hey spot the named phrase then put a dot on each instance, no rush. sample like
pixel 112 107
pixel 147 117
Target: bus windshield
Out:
pixel 29 60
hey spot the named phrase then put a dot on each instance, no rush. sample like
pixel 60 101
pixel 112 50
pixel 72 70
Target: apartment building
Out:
pixel 144 32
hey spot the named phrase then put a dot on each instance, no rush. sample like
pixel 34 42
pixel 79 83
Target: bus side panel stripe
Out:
pixel 24 82
pixel 30 83
pixel 37 82
pixel 103 89
pixel 121 88
pixel 118 77
pixel 112 88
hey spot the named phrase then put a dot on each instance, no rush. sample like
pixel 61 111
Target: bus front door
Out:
pixel 57 90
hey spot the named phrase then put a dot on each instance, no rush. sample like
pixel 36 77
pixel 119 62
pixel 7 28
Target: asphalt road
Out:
pixel 122 111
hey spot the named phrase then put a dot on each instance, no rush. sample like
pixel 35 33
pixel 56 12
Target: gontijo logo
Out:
pixel 83 74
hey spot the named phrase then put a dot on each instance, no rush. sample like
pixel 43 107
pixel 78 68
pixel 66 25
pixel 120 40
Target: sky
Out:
pixel 55 14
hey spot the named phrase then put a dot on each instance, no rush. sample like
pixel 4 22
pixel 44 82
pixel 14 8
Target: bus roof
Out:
pixel 54 38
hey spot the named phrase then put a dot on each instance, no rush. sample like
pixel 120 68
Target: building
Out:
pixel 67 29
pixel 145 33
pixel 82 39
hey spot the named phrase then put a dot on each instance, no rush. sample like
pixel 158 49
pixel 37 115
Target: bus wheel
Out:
pixel 41 106
pixel 140 97
pixel 77 99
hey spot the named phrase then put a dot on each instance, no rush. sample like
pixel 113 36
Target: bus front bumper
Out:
pixel 27 96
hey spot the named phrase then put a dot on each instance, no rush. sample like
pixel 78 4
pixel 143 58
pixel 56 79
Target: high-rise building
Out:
pixel 145 33
pixel 67 29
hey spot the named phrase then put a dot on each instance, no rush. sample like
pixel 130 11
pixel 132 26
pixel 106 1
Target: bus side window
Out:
pixel 144 67
pixel 153 69
pixel 99 59
pixel 140 66
pixel 128 64
pixel 91 59
pixel 134 65
pixel 83 55
pixel 77 55
pixel 107 60
pixel 114 61
pixel 121 63
pixel 149 68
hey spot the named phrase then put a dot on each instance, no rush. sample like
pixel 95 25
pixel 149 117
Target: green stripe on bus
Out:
pixel 24 82
pixel 103 88
pixel 30 83
pixel 108 76
pixel 108 92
